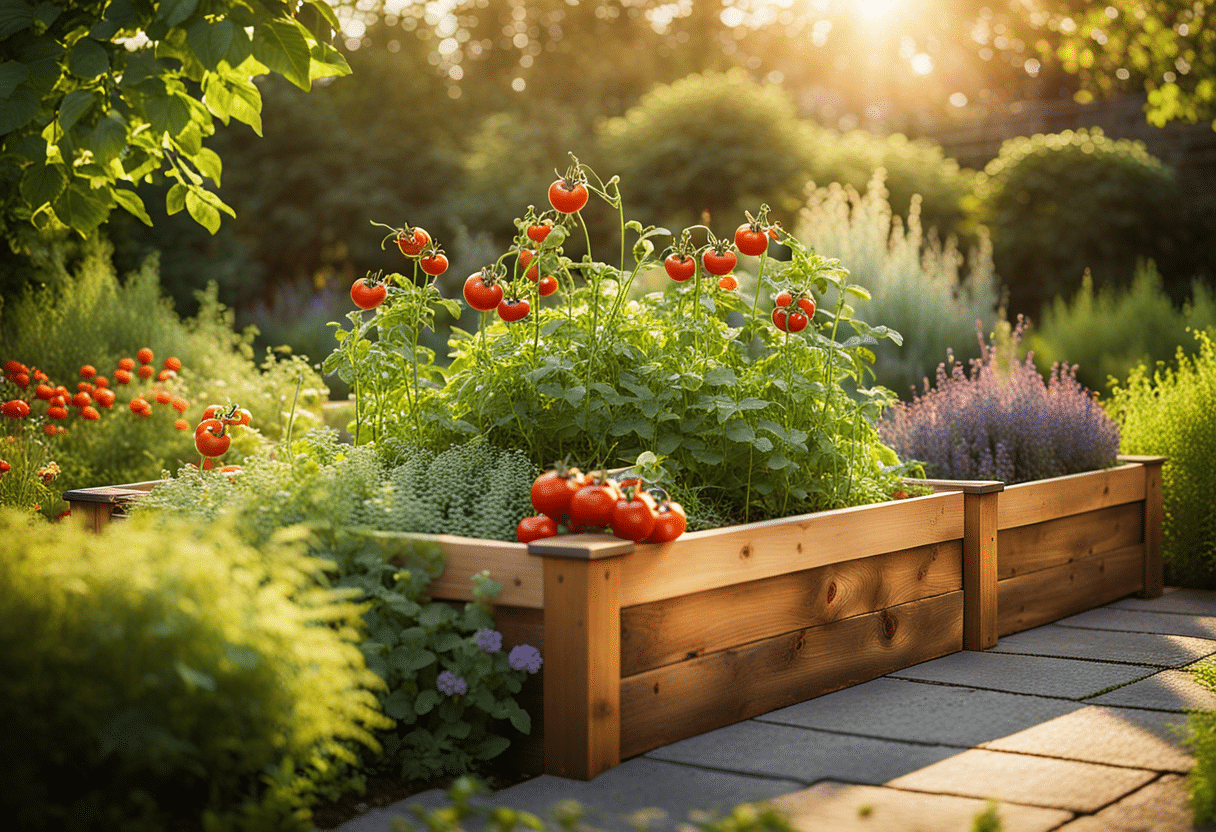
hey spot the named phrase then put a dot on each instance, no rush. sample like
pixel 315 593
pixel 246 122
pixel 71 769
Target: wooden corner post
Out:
pixel 979 564
pixel 582 692
pixel 1154 517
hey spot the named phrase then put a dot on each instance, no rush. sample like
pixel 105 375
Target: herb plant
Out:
pixel 1001 421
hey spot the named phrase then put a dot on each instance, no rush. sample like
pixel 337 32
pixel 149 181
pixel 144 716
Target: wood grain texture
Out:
pixel 1154 517
pixel 682 700
pixel 1024 549
pixel 582 666
pixel 677 629
pixel 980 570
pixel 91 517
pixel 705 560
pixel 1051 594
pixel 521 574
pixel 1035 502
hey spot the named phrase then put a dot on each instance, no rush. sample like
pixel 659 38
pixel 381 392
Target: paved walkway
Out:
pixel 1074 726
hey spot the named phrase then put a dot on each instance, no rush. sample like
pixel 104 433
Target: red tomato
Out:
pixel 481 295
pixel 211 438
pixel 680 267
pixel 122 376
pixel 12 367
pixel 82 399
pixel 434 264
pixel 547 286
pixel 594 504
pixel 104 396
pixel 728 282
pixel 535 528
pixel 513 309
pixel 89 412
pixel 44 392
pixel 784 299
pixel 568 197
pixel 750 239
pixel 139 404
pixel 807 305
pixel 412 240
pixel 538 232
pixel 15 409
pixel 5 467
pixel 102 381
pixel 145 355
pixel 779 317
pixel 526 257
pixel 633 519
pixel 56 411
pixel 22 380
pixel 669 523
pixel 553 490
pixel 796 321
pixel 719 262
pixel 367 295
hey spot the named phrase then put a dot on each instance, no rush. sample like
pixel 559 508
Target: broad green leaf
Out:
pixel 42 184
pixel 210 40
pixel 520 719
pixel 132 204
pixel 326 62
pixel 763 444
pixel 47 13
pixel 246 105
pixel 167 113
pixel 209 165
pixel 175 200
pixel 426 702
pixel 204 214
pixel 490 748
pixel 240 49
pixel 19 110
pixel 175 12
pixel 281 46
pixel 739 431
pixel 14 17
pixel 82 208
pixel 776 461
pixel 12 73
pixel 327 12
pixel 108 138
pixel 88 59
pixel 75 106
pixel 217 97
pixel 398 704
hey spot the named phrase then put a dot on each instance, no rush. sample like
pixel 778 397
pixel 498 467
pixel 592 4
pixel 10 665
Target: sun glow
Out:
pixel 873 10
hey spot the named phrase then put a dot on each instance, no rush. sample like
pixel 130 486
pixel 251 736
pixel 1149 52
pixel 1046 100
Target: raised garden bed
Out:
pixel 646 644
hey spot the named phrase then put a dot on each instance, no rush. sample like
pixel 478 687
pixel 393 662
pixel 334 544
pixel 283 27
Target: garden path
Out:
pixel 1073 727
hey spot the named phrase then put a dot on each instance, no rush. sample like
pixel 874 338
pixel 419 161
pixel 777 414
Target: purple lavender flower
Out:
pixel 450 684
pixel 524 657
pixel 490 641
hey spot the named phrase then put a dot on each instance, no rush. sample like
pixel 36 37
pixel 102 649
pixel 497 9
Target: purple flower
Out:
pixel 524 657
pixel 490 641
pixel 451 684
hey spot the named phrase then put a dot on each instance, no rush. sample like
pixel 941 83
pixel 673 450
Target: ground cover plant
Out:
pixel 207 683
pixel 999 420
pixel 764 414
pixel 1201 740
pixel 1167 410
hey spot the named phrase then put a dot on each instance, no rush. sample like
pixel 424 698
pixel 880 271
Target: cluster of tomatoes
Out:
pixel 797 318
pixel 213 436
pixel 92 392
pixel 416 244
pixel 580 502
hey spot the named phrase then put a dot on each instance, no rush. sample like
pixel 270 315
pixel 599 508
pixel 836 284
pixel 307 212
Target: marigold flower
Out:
pixel 144 355
pixel 146 371
pixel 126 364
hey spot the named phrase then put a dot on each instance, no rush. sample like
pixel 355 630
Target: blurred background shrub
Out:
pixel 919 285
pixel 153 686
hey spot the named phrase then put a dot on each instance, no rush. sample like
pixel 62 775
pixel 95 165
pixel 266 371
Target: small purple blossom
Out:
pixel 450 684
pixel 524 657
pixel 490 641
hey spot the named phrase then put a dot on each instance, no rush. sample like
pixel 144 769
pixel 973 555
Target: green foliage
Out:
pixel 1201 740
pixel 1060 204
pixel 27 450
pixel 91 317
pixel 152 683
pixel 1108 331
pixel 97 96
pixel 917 284
pixel 914 168
pixel 1171 411
pixel 717 142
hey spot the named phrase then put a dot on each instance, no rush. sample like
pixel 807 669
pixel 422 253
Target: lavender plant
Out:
pixel 1002 420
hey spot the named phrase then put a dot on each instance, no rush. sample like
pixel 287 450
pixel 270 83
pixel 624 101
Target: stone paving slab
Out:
pixel 844 807
pixel 1113 736
pixel 1105 645
pixel 1161 806
pixel 801 754
pixel 1169 690
pixel 1186 601
pixel 900 709
pixel 1022 778
pixel 1014 673
pixel 1142 621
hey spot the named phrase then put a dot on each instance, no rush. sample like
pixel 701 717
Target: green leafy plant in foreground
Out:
pixel 1201 740
pixel 764 422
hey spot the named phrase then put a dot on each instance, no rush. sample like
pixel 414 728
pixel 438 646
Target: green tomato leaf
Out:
pixel 281 46
pixel 88 59
pixel 42 184
pixel 132 204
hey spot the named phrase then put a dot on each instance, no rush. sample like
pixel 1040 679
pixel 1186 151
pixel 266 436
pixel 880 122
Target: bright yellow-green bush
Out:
pixel 159 674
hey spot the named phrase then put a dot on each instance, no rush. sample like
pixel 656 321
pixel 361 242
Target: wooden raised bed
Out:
pixel 647 644
pixel 1060 546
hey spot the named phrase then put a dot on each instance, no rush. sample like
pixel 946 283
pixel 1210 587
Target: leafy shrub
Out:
pixel 350 500
pixel 1108 331
pixel 1060 204
pixel 913 168
pixel 1170 412
pixel 1201 740
pixel 97 319
pixel 716 142
pixel 916 283
pixel 1001 421
pixel 156 674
